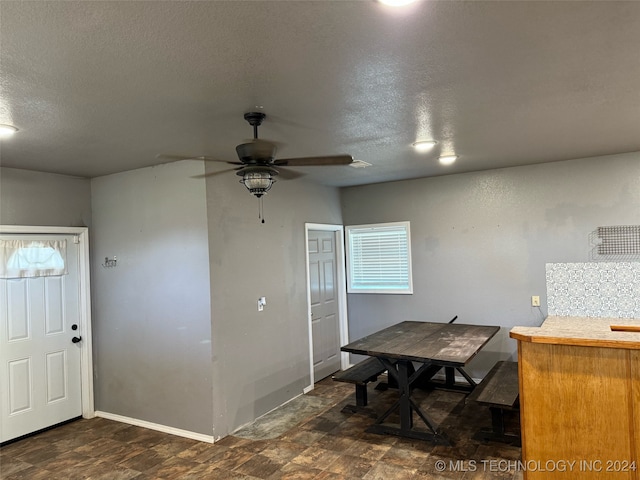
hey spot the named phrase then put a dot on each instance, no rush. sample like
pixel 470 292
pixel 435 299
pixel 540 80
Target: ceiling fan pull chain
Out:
pixel 260 209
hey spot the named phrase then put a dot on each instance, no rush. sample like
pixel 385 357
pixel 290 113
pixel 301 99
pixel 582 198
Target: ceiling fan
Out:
pixel 258 164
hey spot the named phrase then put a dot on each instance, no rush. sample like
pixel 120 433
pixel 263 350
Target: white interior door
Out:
pixel 40 374
pixel 324 303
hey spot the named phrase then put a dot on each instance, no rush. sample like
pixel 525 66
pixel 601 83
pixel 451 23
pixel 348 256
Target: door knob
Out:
pixel 76 339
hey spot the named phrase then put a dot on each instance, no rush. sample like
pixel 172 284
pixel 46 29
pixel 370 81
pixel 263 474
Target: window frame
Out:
pixel 388 289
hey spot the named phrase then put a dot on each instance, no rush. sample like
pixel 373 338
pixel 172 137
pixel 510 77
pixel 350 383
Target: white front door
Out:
pixel 324 303
pixel 40 375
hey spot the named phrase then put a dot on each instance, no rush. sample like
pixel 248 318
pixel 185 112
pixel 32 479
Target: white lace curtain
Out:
pixel 29 258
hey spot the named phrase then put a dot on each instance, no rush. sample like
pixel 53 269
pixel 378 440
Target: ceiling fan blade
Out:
pixel 315 161
pixel 213 174
pixel 286 174
pixel 199 157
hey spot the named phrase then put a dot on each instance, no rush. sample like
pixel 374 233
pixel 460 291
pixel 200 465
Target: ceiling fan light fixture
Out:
pixel 447 159
pixel 7 131
pixel 424 145
pixel 258 182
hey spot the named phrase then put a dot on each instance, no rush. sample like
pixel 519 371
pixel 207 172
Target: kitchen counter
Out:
pixel 583 331
pixel 580 397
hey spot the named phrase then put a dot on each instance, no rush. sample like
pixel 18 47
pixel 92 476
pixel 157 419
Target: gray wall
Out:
pixel 151 313
pixel 36 198
pixel 261 359
pixel 480 241
pixel 193 260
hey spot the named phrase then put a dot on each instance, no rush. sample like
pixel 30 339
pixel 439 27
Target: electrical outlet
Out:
pixel 535 301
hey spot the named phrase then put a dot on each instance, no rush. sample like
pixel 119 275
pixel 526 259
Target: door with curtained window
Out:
pixel 40 337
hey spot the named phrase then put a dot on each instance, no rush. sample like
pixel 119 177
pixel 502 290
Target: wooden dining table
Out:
pixel 430 345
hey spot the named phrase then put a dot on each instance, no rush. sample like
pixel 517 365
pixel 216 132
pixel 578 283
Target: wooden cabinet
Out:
pixel 579 406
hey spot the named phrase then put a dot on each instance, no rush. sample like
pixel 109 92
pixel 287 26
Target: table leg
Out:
pixel 406 413
pixel 404 374
pixel 449 383
pixel 497 431
pixel 449 376
pixel 468 378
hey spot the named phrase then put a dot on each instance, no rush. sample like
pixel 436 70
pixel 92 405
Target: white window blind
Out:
pixel 379 258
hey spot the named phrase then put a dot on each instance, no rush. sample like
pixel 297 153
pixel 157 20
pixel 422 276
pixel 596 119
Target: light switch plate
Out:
pixel 262 301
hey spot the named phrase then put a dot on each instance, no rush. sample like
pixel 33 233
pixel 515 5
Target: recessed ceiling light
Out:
pixel 396 3
pixel 424 146
pixel 448 159
pixel 7 130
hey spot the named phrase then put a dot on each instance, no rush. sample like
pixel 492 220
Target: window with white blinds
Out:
pixel 379 258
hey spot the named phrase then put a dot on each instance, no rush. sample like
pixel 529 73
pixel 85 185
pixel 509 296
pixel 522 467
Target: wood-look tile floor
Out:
pixel 328 446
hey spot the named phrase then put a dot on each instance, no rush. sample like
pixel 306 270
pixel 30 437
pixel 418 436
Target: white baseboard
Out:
pixel 155 426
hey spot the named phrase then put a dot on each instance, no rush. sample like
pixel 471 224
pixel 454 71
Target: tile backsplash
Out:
pixel 594 289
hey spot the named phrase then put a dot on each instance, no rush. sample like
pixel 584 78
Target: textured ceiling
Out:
pixel 102 87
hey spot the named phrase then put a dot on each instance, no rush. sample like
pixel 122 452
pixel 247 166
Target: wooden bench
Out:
pixel 499 391
pixel 360 374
